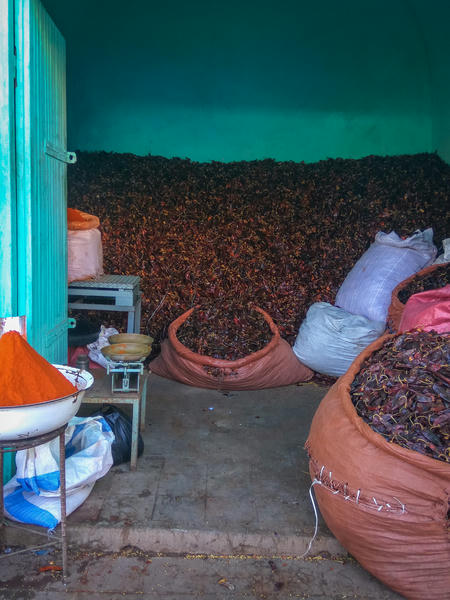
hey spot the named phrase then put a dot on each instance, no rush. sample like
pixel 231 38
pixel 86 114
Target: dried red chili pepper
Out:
pixel 226 330
pixel 279 234
pixel 402 391
pixel 438 278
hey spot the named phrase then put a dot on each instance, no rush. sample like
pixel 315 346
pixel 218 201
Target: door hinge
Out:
pixel 59 154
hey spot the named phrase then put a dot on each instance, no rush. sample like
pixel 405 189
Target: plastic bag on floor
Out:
pixel 122 427
pixel 33 494
pixel 368 287
pixel 330 338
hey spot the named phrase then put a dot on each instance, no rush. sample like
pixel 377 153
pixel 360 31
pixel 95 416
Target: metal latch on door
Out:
pixel 60 154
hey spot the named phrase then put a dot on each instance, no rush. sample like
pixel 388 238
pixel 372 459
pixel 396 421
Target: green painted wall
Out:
pixel 239 80
pixel 433 22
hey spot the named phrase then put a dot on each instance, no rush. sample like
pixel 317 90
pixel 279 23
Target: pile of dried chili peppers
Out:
pixel 403 392
pixel 281 235
pixel 438 278
pixel 225 330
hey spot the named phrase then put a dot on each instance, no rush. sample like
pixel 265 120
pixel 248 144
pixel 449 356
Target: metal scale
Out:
pixel 125 360
pixel 125 376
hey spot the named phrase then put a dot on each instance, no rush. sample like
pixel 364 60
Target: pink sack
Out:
pixel 273 366
pixel 428 310
pixel 84 254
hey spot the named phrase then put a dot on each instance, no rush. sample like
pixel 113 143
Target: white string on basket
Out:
pixel 330 486
pixel 347 497
pixel 316 516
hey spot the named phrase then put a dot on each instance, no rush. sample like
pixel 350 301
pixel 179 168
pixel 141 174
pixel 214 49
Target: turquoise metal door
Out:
pixel 8 256
pixel 41 183
pixel 8 242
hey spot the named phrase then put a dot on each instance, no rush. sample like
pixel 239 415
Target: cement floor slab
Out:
pixel 221 471
pixel 134 574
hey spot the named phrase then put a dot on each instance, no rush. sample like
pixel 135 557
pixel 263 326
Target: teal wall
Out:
pixel 434 22
pixel 290 80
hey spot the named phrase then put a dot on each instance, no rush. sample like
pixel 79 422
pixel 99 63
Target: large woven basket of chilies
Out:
pixel 379 461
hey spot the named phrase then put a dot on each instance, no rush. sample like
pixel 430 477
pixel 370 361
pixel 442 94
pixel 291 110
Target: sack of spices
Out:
pixel 429 310
pixel 432 277
pixel 33 494
pixel 78 220
pixel 330 338
pixel 84 246
pixel 272 366
pixel 367 289
pixel 388 505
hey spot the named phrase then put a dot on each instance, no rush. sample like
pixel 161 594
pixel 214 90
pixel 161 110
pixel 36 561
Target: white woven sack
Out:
pixel 367 289
pixel 33 494
pixel 445 256
pixel 330 338
pixel 84 254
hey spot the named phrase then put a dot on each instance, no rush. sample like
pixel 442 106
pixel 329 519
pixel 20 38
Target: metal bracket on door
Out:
pixel 59 154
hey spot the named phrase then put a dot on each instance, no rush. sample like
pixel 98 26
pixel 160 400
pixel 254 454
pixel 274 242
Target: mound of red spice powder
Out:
pixel 74 215
pixel 25 376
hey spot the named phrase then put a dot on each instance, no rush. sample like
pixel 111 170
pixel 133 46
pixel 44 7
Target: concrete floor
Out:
pixel 222 474
pixel 135 575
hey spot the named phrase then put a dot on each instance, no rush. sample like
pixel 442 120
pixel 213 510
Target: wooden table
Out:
pixel 101 393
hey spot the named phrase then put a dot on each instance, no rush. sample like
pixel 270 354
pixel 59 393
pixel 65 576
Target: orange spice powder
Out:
pixel 75 215
pixel 25 376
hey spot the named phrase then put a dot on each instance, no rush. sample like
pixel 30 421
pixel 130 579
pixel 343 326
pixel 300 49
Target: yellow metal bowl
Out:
pixel 130 338
pixel 126 352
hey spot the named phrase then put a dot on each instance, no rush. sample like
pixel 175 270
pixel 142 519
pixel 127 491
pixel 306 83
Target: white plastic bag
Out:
pixel 33 494
pixel 84 254
pixel 445 256
pixel 95 348
pixel 330 338
pixel 368 287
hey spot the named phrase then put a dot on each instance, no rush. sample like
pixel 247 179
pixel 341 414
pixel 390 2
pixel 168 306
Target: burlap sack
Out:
pixel 387 505
pixel 273 366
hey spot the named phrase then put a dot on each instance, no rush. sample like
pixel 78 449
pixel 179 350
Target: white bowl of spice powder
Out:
pixel 36 397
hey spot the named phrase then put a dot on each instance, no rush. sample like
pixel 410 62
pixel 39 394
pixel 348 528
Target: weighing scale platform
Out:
pixel 109 293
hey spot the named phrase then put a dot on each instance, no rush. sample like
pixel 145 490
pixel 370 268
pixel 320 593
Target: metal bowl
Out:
pixel 30 420
pixel 126 352
pixel 130 338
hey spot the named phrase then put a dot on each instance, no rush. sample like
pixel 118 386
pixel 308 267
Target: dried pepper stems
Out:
pixel 225 330
pixel 279 234
pixel 438 278
pixel 403 392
